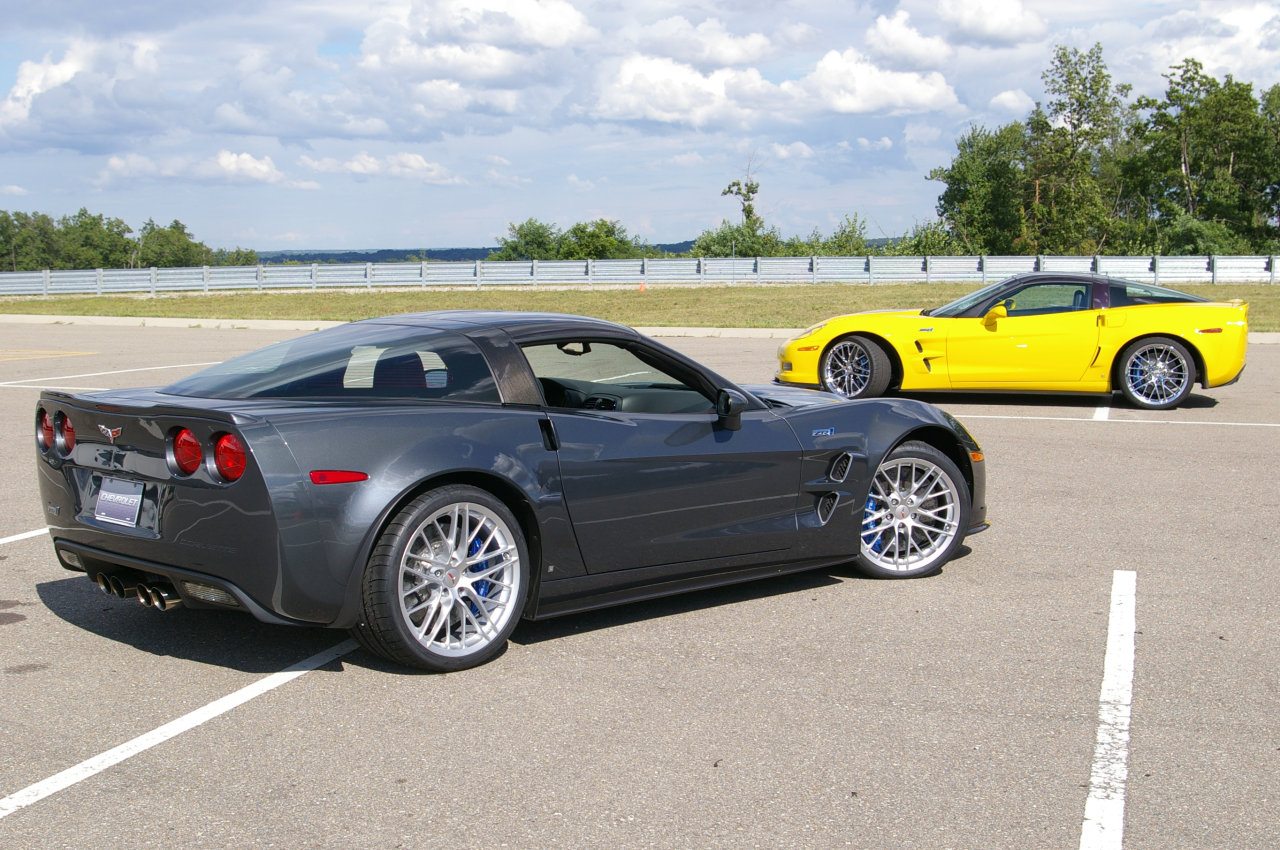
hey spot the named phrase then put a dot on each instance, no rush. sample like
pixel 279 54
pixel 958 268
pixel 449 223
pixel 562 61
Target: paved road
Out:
pixel 816 710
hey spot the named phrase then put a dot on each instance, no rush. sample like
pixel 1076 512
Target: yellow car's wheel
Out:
pixel 1156 373
pixel 855 367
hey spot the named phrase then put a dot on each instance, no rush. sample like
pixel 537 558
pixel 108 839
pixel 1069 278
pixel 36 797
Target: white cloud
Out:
pixel 895 40
pixel 579 184
pixel 707 43
pixel 921 134
pixel 848 82
pixel 661 89
pixel 245 167
pixel 1013 100
pixel 883 143
pixel 795 150
pixel 363 164
pixel 37 78
pixel 688 160
pixel 13 191
pixel 993 21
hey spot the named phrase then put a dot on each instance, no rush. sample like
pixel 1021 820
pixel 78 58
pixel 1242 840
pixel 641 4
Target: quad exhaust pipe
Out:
pixel 162 597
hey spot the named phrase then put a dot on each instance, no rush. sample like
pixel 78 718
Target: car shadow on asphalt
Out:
pixel 222 638
pixel 1194 401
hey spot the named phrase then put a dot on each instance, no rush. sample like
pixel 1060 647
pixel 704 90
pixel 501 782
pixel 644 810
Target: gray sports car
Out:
pixel 427 480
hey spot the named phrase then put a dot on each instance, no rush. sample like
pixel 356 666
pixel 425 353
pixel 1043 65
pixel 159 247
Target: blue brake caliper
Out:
pixel 869 527
pixel 483 587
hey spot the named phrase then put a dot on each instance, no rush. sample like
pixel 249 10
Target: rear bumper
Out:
pixel 94 560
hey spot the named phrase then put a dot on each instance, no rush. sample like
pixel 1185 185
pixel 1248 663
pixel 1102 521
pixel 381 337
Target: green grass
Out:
pixel 669 306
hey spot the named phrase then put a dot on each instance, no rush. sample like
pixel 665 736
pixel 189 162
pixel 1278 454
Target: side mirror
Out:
pixel 994 315
pixel 729 407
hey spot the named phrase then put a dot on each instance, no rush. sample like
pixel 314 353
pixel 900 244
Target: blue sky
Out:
pixel 281 124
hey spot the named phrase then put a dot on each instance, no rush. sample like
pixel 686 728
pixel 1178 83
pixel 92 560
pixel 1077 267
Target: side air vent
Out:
pixel 827 506
pixel 600 403
pixel 840 467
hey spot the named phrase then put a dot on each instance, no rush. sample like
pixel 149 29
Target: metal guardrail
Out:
pixel 695 271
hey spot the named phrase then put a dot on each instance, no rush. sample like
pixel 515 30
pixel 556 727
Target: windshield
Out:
pixel 960 305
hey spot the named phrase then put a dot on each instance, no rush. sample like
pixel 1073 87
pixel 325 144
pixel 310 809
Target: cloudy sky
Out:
pixel 434 123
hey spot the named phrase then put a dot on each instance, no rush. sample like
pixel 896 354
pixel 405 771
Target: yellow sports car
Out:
pixel 1039 332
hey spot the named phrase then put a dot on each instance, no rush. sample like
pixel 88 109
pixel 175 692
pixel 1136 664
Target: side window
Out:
pixel 1126 294
pixel 592 375
pixel 1041 298
pixel 447 369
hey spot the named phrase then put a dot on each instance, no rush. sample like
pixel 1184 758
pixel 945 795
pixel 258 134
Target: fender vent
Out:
pixel 600 403
pixel 840 467
pixel 827 506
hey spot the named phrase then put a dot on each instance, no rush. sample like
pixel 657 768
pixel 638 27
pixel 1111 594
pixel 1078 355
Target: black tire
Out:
pixel 1155 373
pixel 423 566
pixel 917 498
pixel 855 367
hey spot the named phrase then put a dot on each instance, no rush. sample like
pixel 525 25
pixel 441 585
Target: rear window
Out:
pixel 353 361
pixel 1125 293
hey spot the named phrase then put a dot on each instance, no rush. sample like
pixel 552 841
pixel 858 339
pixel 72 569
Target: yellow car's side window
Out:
pixel 1048 298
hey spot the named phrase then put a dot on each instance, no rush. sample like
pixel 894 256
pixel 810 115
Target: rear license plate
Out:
pixel 118 502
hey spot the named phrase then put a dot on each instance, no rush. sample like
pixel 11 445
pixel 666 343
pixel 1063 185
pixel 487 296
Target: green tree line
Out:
pixel 35 241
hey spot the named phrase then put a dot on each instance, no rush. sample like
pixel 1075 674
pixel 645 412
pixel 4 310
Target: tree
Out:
pixel 89 241
pixel 170 247
pixel 529 240
pixel 601 239
pixel 982 205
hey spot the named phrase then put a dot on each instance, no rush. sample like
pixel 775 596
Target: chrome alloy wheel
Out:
pixel 846 369
pixel 1156 373
pixel 458 578
pixel 911 516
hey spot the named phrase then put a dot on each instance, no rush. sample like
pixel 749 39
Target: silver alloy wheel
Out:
pixel 458 578
pixel 846 369
pixel 1156 373
pixel 911 516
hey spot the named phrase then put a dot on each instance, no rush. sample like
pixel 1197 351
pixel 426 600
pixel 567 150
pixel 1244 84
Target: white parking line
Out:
pixel 967 416
pixel 97 764
pixel 23 536
pixel 114 372
pixel 1103 827
pixel 1102 413
pixel 52 387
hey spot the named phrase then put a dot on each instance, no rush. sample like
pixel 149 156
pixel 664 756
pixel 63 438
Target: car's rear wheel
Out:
pixel 855 367
pixel 1156 373
pixel 446 583
pixel 916 513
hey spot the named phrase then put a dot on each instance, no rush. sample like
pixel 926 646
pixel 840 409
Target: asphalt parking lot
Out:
pixel 818 710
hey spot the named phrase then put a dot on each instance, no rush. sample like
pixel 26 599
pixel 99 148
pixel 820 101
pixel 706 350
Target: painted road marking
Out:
pixel 7 354
pixel 52 387
pixel 114 372
pixel 1102 413
pixel 1103 827
pixel 23 536
pixel 967 416
pixel 90 767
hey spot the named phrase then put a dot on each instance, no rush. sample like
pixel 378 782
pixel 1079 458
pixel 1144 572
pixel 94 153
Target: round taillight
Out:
pixel 228 457
pixel 68 434
pixel 187 452
pixel 44 431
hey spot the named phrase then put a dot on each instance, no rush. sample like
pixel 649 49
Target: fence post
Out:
pixel 813 269
pixel 1155 267
pixel 644 271
pixel 204 278
pixel 702 269
pixel 1213 268
pixel 871 272
pixel 257 277
pixel 44 283
pixel 1039 262
pixel 98 281
pixel 154 272
pixel 757 271
pixel 422 273
pixel 982 266
pixel 477 273
pixel 315 275
pixel 1094 266
pixel 533 271
pixel 368 275
pixel 928 276
pixel 1273 268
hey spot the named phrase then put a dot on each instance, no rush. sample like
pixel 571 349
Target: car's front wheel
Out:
pixel 1156 373
pixel 855 367
pixel 916 513
pixel 446 583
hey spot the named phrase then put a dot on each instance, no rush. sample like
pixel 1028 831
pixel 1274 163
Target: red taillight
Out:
pixel 68 434
pixel 44 431
pixel 337 476
pixel 228 457
pixel 187 453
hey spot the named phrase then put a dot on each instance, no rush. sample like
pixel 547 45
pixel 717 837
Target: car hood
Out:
pixel 776 395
